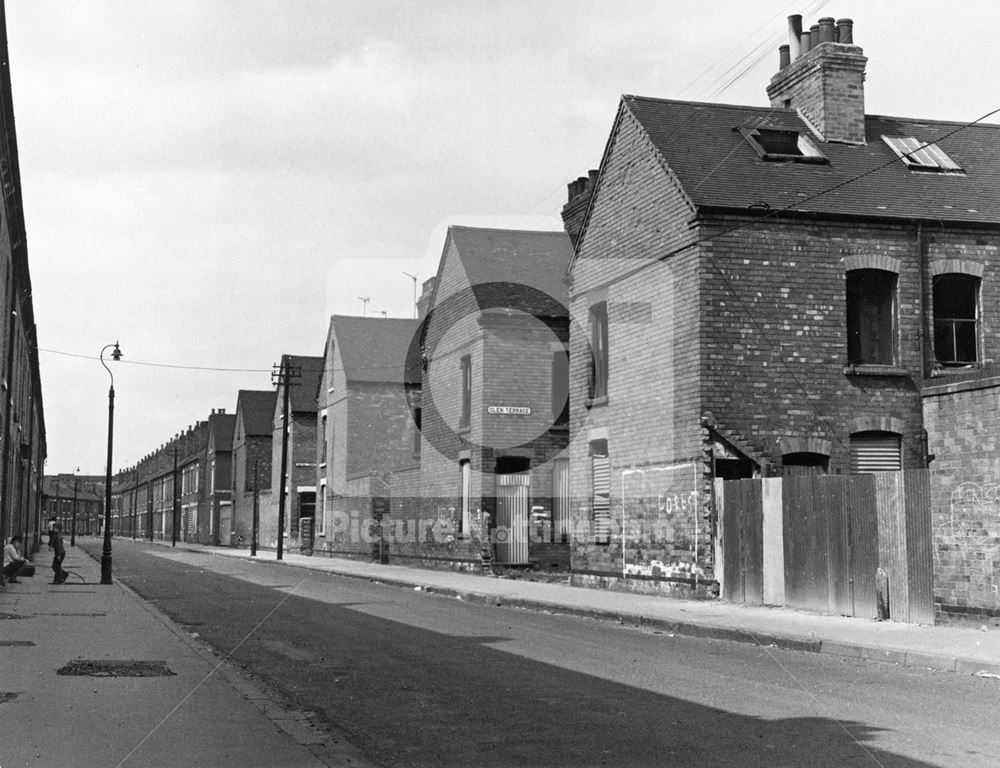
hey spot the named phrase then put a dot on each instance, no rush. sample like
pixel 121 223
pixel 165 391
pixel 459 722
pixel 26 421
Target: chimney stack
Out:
pixel 825 82
pixel 424 302
pixel 578 200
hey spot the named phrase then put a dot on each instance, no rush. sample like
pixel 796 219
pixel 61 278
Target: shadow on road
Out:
pixel 412 697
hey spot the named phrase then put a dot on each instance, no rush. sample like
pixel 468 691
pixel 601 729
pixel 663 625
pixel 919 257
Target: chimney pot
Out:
pixel 794 36
pixel 592 175
pixel 827 31
pixel 784 58
pixel 845 31
pixel 814 35
pixel 806 39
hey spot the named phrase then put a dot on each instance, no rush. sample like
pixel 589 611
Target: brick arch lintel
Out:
pixel 872 261
pixel 956 266
pixel 818 445
pixel 876 424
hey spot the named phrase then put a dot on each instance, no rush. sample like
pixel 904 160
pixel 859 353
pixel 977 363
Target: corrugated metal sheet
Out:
pixel 512 519
pixel 602 497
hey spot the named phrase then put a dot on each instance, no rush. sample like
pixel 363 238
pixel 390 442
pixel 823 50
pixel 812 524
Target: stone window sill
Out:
pixel 875 370
pixel 593 402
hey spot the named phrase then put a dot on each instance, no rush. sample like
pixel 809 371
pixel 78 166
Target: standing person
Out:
pixel 12 560
pixel 59 575
pixel 52 522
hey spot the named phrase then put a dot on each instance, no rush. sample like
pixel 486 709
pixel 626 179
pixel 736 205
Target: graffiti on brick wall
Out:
pixel 660 521
pixel 972 524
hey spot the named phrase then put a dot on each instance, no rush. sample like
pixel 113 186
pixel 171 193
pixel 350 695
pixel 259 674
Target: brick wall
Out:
pixel 963 433
pixel 774 343
pixel 651 418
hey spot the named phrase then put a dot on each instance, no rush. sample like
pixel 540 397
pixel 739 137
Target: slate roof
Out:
pixel 718 168
pixel 257 407
pixel 373 349
pixel 494 257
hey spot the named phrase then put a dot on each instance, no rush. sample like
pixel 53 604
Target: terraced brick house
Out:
pixel 766 290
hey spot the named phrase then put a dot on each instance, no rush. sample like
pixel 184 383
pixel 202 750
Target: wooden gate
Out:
pixel 225 523
pixel 830 528
pixel 821 546
pixel 742 542
pixel 512 519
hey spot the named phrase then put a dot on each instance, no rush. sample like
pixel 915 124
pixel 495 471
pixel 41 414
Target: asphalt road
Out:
pixel 416 679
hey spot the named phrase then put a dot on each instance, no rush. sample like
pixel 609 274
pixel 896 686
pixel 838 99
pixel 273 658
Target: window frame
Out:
pixel 922 156
pixel 598 373
pixel 465 415
pixel 975 283
pixel 807 151
pixel 858 341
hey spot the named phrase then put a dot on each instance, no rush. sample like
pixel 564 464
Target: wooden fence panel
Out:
pixel 919 546
pixel 832 494
pixel 892 540
pixel 805 527
pixel 863 535
pixel 772 546
pixel 743 542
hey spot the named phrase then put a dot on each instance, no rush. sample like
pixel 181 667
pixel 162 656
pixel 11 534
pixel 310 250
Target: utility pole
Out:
pixel 256 511
pixel 177 502
pixel 286 376
pixel 364 304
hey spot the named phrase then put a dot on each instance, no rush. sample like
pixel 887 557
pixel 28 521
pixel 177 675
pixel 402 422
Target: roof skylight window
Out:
pixel 921 155
pixel 783 145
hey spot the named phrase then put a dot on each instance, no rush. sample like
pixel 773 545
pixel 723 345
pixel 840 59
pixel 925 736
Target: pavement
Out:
pixel 151 695
pixel 208 712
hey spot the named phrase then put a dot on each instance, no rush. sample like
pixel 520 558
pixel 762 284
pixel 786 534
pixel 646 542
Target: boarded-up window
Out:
pixel 875 452
pixel 601 497
pixel 871 313
pixel 466 415
pixel 598 383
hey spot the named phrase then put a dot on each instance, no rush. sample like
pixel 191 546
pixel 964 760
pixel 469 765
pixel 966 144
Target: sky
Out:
pixel 206 181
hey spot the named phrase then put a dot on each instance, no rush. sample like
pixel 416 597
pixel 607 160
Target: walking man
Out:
pixel 56 541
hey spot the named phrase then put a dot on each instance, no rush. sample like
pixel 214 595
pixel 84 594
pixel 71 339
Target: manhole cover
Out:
pixel 116 668
pixel 15 643
pixel 6 696
pixel 64 613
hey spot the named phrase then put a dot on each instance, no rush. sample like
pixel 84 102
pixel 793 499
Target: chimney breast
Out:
pixel 825 84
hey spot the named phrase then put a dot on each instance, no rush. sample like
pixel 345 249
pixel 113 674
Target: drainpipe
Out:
pixel 922 332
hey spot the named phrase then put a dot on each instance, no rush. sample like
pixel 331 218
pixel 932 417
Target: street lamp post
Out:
pixel 116 354
pixel 76 485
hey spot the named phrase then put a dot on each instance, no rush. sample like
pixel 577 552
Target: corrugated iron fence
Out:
pixel 817 542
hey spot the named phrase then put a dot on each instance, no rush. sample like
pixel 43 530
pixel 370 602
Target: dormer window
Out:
pixel 782 145
pixel 921 156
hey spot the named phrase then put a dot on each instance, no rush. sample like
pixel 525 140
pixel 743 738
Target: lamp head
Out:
pixel 116 353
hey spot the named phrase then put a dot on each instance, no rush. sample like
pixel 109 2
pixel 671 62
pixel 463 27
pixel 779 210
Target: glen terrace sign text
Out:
pixel 508 410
